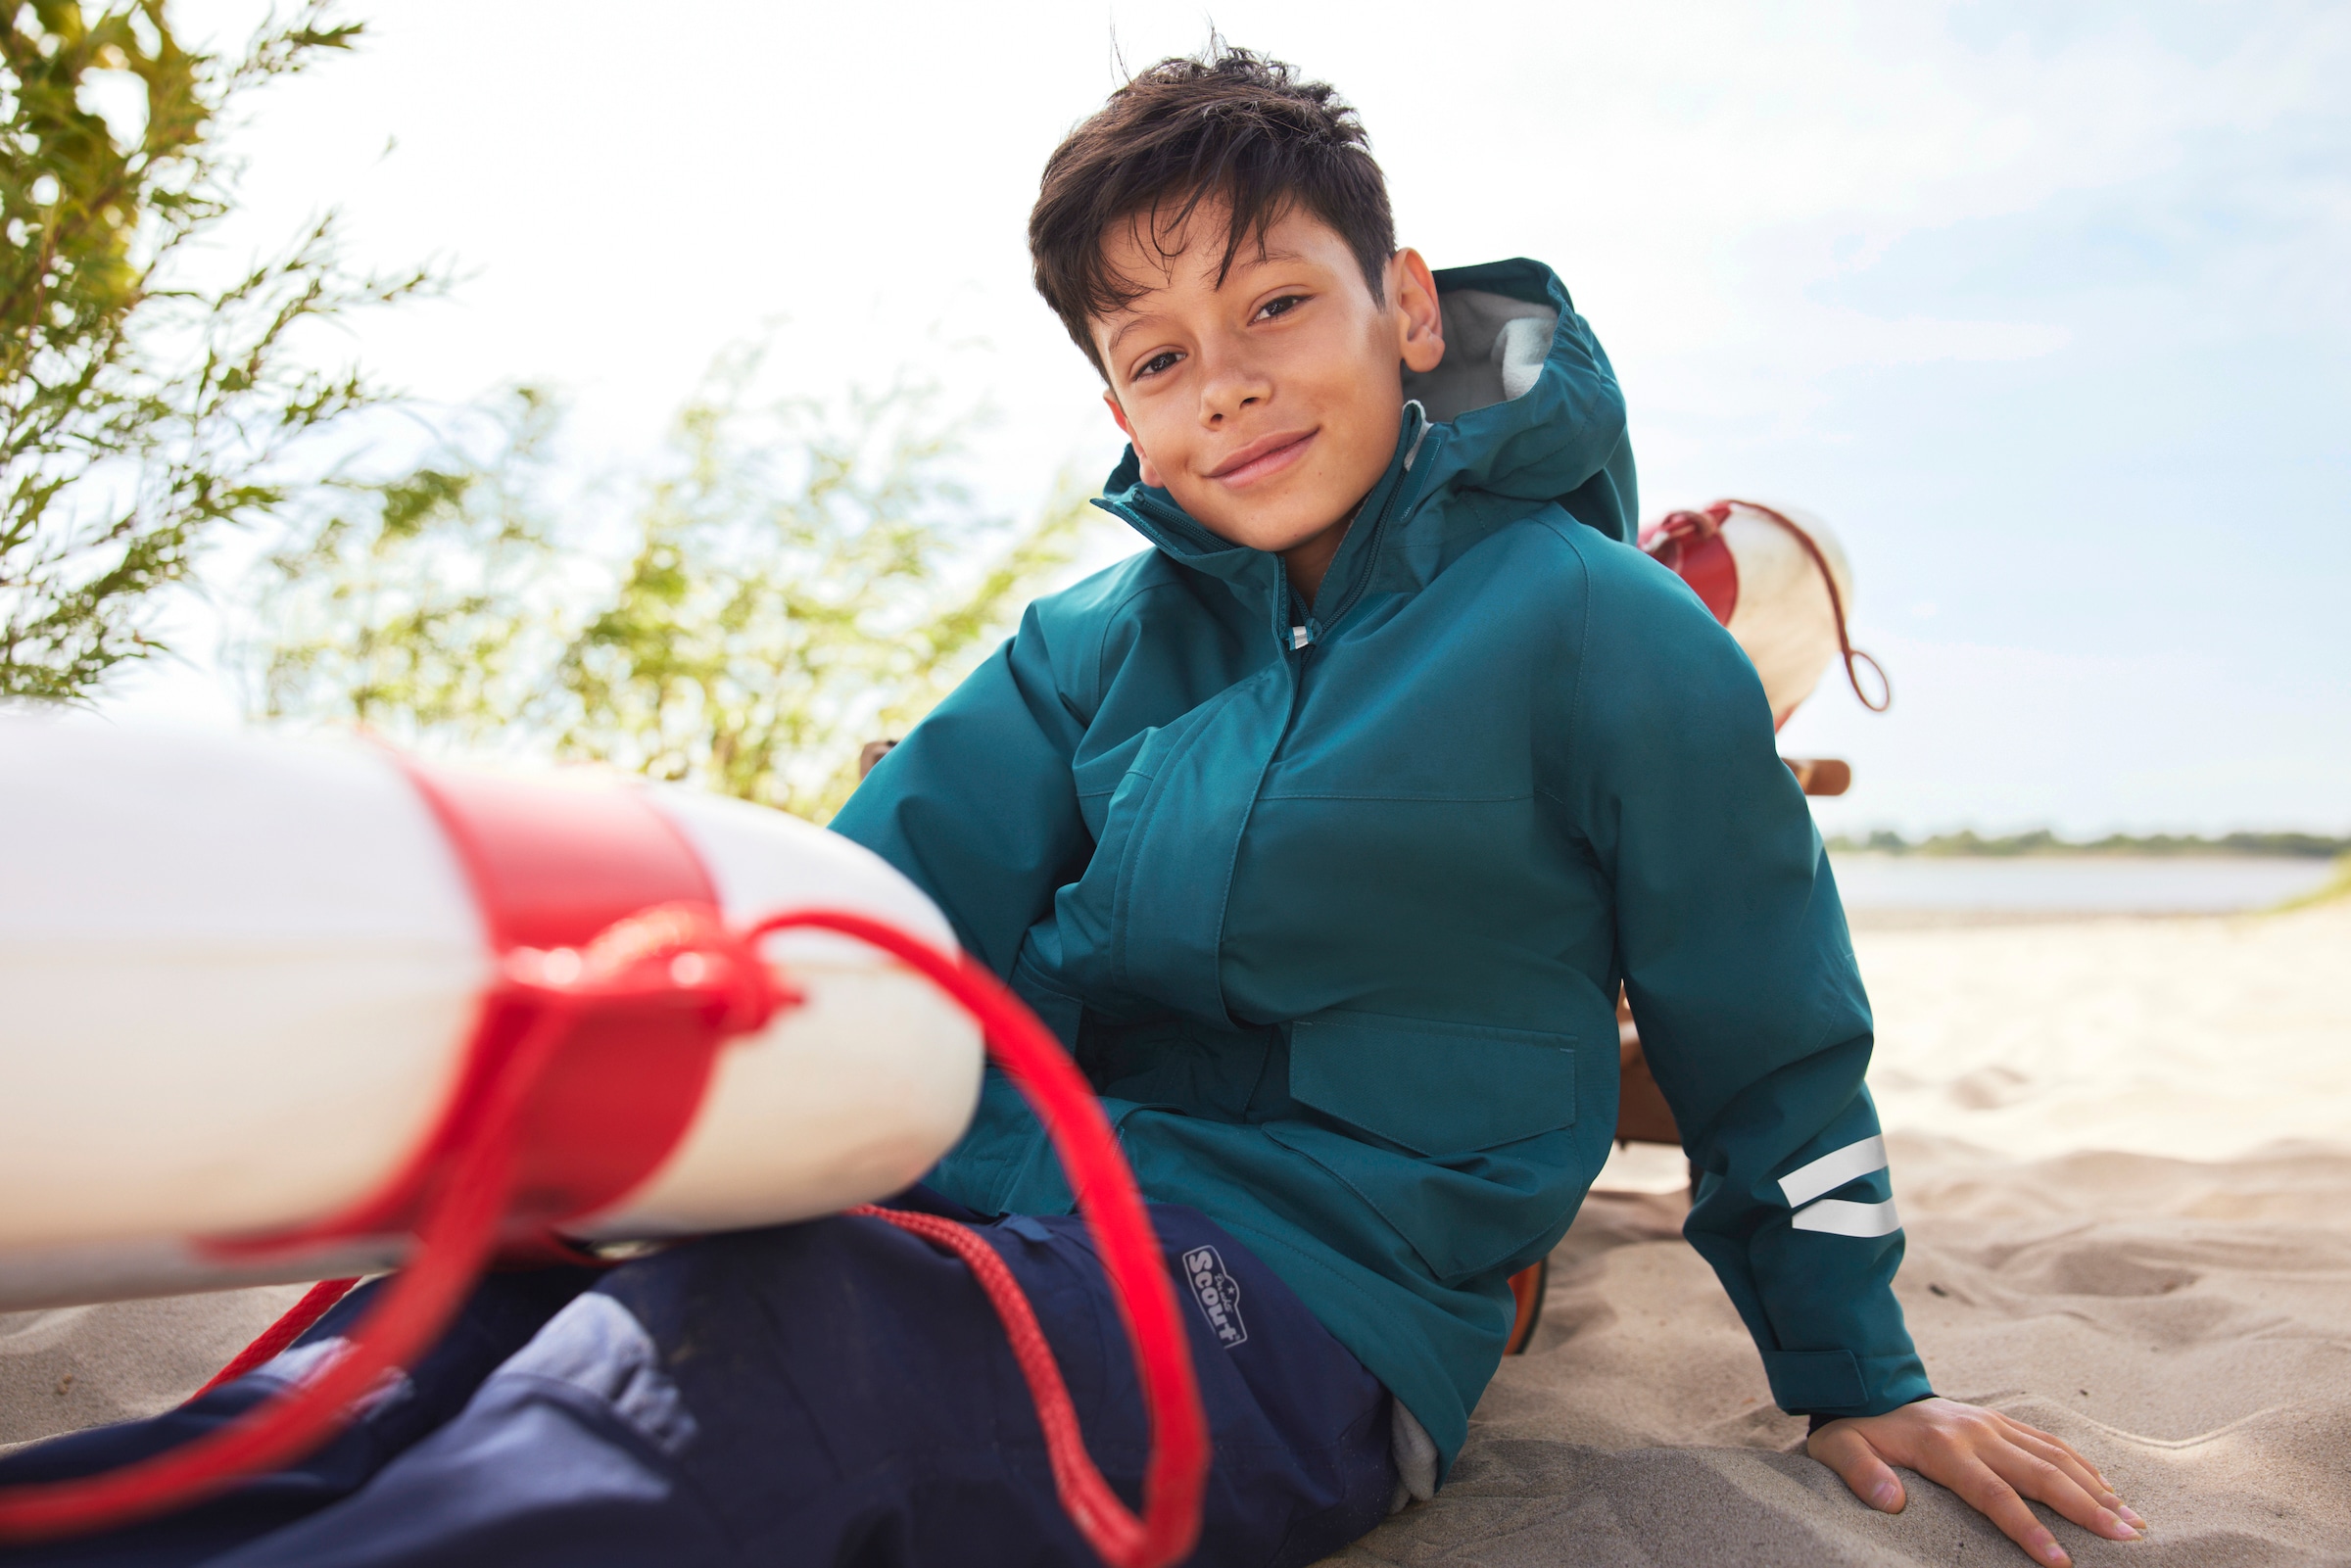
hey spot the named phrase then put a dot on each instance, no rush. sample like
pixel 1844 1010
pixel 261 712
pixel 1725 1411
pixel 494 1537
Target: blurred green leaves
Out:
pixel 140 410
pixel 796 578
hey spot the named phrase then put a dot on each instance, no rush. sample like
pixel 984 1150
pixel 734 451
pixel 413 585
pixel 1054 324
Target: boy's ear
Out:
pixel 1109 400
pixel 1419 322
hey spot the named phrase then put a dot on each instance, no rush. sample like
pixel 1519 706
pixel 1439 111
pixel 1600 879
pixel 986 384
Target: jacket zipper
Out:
pixel 1379 528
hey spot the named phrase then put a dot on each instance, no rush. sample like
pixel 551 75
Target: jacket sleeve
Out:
pixel 1742 978
pixel 976 805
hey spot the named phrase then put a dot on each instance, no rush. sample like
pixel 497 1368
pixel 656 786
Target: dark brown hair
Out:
pixel 1227 124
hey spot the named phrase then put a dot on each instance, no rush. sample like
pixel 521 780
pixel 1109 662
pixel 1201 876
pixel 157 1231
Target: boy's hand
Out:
pixel 1985 1458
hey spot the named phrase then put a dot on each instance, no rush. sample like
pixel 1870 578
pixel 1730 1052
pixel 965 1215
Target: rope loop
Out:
pixel 1722 511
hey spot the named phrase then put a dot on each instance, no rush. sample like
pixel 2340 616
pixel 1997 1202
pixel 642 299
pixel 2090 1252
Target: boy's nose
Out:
pixel 1230 397
pixel 1230 386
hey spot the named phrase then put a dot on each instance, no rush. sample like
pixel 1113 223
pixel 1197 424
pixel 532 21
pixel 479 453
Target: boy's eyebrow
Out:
pixel 1132 321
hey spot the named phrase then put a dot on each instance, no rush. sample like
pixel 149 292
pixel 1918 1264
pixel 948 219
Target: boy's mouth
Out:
pixel 1264 456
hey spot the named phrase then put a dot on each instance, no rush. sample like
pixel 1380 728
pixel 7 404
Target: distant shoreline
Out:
pixel 2068 882
pixel 2042 842
pixel 1874 919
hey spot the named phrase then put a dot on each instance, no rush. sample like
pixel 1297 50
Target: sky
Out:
pixel 2045 309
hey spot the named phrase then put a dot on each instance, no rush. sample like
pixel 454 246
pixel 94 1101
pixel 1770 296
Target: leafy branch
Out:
pixel 141 410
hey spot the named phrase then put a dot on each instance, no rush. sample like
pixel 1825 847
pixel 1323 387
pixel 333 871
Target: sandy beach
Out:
pixel 2123 1152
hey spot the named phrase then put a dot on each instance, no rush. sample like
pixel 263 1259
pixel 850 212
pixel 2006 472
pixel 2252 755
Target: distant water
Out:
pixel 2071 885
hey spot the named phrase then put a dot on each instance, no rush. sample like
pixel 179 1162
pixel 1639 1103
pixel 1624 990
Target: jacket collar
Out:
pixel 1258 576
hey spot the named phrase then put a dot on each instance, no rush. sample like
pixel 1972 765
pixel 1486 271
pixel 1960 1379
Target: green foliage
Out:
pixel 420 604
pixel 797 580
pixel 138 411
pixel 2041 841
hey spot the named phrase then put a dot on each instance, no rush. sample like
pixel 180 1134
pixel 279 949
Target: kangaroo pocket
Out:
pixel 1457 1134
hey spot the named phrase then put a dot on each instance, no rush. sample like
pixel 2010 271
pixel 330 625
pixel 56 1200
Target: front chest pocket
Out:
pixel 1435 1089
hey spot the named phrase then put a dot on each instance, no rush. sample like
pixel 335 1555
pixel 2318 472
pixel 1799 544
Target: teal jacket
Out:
pixel 1331 902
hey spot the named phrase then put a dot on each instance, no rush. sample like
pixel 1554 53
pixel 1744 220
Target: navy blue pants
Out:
pixel 833 1393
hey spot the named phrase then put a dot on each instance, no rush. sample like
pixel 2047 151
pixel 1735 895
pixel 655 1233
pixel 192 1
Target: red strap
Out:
pixel 1690 546
pixel 549 869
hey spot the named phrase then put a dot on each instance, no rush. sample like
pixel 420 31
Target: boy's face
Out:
pixel 1267 405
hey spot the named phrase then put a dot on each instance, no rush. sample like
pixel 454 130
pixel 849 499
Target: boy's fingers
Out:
pixel 2045 1481
pixel 2082 1474
pixel 2063 1446
pixel 1995 1499
pixel 1847 1452
pixel 1993 1461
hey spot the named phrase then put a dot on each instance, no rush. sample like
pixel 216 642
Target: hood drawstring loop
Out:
pixel 1412 406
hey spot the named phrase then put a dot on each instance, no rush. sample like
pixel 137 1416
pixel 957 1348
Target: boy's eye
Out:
pixel 1156 364
pixel 1281 306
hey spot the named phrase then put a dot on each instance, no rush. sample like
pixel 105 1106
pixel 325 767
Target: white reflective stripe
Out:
pixel 1833 1171
pixel 1839 1217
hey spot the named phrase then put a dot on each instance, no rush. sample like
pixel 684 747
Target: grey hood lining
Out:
pixel 1494 347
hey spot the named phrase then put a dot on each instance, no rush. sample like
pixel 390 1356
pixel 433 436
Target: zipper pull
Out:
pixel 1300 636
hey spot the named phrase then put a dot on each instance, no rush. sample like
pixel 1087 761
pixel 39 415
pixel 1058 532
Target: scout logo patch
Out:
pixel 1219 1294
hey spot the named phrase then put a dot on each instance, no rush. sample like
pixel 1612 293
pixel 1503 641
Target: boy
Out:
pixel 1322 833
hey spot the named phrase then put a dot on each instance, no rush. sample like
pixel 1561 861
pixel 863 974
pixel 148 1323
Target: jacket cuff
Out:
pixel 1837 1382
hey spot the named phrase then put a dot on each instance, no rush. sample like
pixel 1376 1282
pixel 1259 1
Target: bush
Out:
pixel 140 412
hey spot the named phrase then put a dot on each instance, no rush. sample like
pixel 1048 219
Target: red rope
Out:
pixel 312 1307
pixel 1828 578
pixel 461 1219
pixel 1084 1496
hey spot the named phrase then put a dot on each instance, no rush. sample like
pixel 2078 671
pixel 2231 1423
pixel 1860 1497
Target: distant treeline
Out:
pixel 2313 847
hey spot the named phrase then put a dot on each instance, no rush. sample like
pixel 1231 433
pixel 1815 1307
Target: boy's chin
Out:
pixel 1273 540
pixel 1274 530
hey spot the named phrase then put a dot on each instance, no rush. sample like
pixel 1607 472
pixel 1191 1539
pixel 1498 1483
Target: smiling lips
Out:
pixel 1262 457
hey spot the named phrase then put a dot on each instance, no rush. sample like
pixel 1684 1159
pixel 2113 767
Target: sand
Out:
pixel 79 1367
pixel 2123 1152
pixel 2196 1038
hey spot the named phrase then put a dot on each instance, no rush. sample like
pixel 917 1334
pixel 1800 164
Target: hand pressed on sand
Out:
pixel 1991 1461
